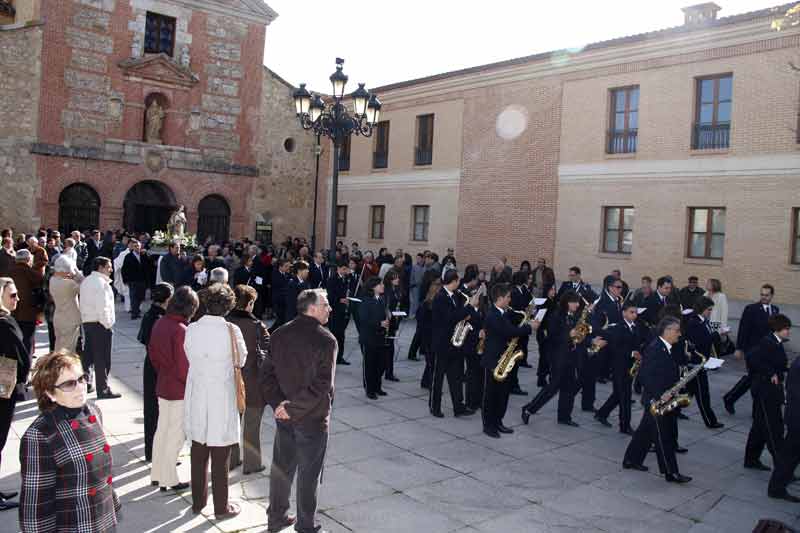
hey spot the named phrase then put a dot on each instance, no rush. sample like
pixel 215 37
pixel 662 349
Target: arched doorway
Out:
pixel 78 208
pixel 213 218
pixel 148 205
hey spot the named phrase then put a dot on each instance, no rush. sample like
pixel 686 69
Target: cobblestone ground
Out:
pixel 394 468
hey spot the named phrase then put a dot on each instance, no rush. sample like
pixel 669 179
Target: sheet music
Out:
pixel 540 315
pixel 713 363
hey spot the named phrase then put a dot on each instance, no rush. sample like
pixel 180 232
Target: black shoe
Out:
pixel 570 423
pixel 7 506
pixel 343 362
pixel 677 478
pixel 108 395
pixel 391 378
pixel 526 365
pixel 785 496
pixel 154 483
pixel 503 429
pixel 7 495
pixel 372 396
pixel 729 406
pixel 757 465
pixel 256 471
pixel 491 432
pixel 281 525
pixel 682 416
pixel 716 425
pixel 681 449
pixel 382 393
pixel 603 420
pixel 463 412
pixel 588 409
pixel 626 431
pixel 180 486
pixel 518 392
pixel 437 414
pixel 526 415
pixel 633 466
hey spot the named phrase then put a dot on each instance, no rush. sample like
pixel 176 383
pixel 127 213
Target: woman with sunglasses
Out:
pixel 12 347
pixel 65 457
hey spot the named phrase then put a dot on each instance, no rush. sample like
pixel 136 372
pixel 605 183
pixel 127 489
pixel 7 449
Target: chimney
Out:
pixel 700 14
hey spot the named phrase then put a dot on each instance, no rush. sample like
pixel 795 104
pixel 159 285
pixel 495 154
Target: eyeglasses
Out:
pixel 71 384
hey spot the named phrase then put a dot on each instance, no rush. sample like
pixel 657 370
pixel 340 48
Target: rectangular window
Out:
pixel 376 214
pixel 159 34
pixel 618 229
pixel 344 154
pixel 706 232
pixel 421 215
pixel 712 126
pixel 380 156
pixel 796 236
pixel 624 121
pixel 341 220
pixel 423 154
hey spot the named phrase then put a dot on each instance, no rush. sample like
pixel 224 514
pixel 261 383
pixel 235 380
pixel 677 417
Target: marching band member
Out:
pixel 473 380
pixel 295 286
pixel 577 285
pixel 789 455
pixel 374 324
pixel 394 297
pixel 543 334
pixel 338 287
pixel 607 311
pixel 699 333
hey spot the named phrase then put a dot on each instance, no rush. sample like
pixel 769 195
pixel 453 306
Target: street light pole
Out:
pixel 317 153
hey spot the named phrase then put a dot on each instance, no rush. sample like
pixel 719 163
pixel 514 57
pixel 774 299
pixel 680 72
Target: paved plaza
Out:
pixel 391 467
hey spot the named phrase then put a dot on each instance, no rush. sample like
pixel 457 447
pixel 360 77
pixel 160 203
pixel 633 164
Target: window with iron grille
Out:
pixel 712 126
pixel 380 155
pixel 624 121
pixel 421 222
pixel 423 153
pixel 341 220
pixel 159 34
pixel 706 232
pixel 618 229
pixel 376 217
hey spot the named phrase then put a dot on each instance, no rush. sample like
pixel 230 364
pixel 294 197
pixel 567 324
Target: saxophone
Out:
pixel 511 354
pixel 582 329
pixel 675 399
pixel 463 328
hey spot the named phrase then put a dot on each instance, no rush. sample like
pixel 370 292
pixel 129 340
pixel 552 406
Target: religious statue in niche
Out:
pixel 177 223
pixel 154 121
pixel 185 58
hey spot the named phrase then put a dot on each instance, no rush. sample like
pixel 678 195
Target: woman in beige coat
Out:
pixel 64 289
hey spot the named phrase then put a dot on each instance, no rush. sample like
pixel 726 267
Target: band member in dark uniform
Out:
pixel 607 310
pixel 767 364
pixel 297 284
pixel 318 272
pixel 752 328
pixel 393 293
pixel 473 380
pixel 658 299
pixel 499 332
pixel 789 455
pixel 280 282
pixel 626 342
pixel 520 299
pixel 338 292
pixel 658 374
pixel 698 333
pixel 425 332
pixel 577 285
pixel 374 325
pixel 563 355
pixel 542 334
pixel 448 310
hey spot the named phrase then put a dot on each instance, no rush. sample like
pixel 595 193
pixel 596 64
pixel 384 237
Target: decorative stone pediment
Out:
pixel 160 68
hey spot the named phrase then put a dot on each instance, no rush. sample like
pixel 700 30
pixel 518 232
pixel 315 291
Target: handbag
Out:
pixel 8 376
pixel 241 397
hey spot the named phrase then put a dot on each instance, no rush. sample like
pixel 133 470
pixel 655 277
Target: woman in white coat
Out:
pixel 211 416
pixel 64 288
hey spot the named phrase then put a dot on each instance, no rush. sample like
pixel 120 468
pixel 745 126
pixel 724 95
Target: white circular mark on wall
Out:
pixel 511 122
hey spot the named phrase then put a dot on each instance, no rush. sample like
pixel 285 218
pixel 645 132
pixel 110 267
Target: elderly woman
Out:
pixel 211 418
pixel 257 339
pixel 65 457
pixel 167 355
pixel 64 290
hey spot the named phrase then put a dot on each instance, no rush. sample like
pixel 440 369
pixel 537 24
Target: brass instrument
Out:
pixel 481 344
pixel 582 329
pixel 463 328
pixel 675 399
pixel 634 370
pixel 511 354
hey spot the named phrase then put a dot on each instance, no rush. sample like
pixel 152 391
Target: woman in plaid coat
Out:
pixel 66 461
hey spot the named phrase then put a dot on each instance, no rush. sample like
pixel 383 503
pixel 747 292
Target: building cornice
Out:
pixel 427 179
pixel 255 11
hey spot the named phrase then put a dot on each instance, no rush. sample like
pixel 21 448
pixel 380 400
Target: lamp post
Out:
pixel 336 122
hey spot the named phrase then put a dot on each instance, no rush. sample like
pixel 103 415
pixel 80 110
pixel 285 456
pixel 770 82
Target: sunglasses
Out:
pixel 71 384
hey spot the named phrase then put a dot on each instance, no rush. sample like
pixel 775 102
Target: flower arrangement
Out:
pixel 164 239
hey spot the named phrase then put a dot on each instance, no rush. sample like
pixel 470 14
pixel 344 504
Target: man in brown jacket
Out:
pixel 40 258
pixel 297 380
pixel 29 282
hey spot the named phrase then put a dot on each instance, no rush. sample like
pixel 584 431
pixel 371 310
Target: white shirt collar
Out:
pixel 668 345
pixel 502 311
pixel 449 293
pixel 630 324
pixel 780 341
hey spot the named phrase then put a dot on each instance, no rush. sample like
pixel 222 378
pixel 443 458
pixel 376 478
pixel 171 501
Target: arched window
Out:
pixel 148 205
pixel 213 218
pixel 78 208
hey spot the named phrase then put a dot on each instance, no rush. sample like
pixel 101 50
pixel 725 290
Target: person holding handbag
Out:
pixel 216 351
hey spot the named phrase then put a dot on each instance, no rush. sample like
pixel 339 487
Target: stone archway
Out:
pixel 78 208
pixel 148 205
pixel 213 218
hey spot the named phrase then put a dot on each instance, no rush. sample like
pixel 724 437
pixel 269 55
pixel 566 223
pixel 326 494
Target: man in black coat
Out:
pixel 280 282
pixel 93 245
pixel 752 328
pixel 499 332
pixel 134 275
pixel 607 311
pixel 318 272
pixel 658 374
pixel 338 287
pixel 626 342
pixel 576 284
pixel 767 364
pixel 244 274
pixel 658 299
pixel 699 333
pixel 172 268
pixel 447 310
pixel 297 284
pixel 789 454
pixel 690 295
pixel 373 326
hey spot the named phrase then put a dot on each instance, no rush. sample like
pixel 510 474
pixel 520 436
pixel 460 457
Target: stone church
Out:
pixel 115 112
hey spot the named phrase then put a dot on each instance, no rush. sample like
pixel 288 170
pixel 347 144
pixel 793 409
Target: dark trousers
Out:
pixel 698 388
pixel 543 367
pixel 495 400
pixel 415 344
pixel 97 350
pixel 138 290
pixel 474 381
pixel 767 429
pixel 28 335
pixel 658 430
pixel 338 327
pixel 620 397
pixel 280 316
pixel 219 455
pixel 6 415
pixel 738 390
pixel 373 368
pixel 562 382
pixel 388 359
pixel 251 438
pixel 427 374
pixel 150 400
pixel 787 461
pixel 51 335
pixel 451 365
pixel 587 377
pixel 301 451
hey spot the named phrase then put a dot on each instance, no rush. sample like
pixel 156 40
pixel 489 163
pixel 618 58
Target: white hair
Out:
pixel 23 256
pixel 65 264
pixel 218 275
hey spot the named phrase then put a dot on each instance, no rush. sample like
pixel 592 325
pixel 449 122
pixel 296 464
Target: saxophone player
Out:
pixel 699 334
pixel 499 331
pixel 473 380
pixel 658 373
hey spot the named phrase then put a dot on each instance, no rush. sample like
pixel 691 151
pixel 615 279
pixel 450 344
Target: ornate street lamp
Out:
pixel 336 122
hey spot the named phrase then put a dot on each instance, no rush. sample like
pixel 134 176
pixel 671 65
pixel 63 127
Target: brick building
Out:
pixel 114 112
pixel 544 156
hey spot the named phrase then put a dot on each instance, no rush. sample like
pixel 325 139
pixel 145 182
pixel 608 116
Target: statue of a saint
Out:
pixel 177 223
pixel 155 120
